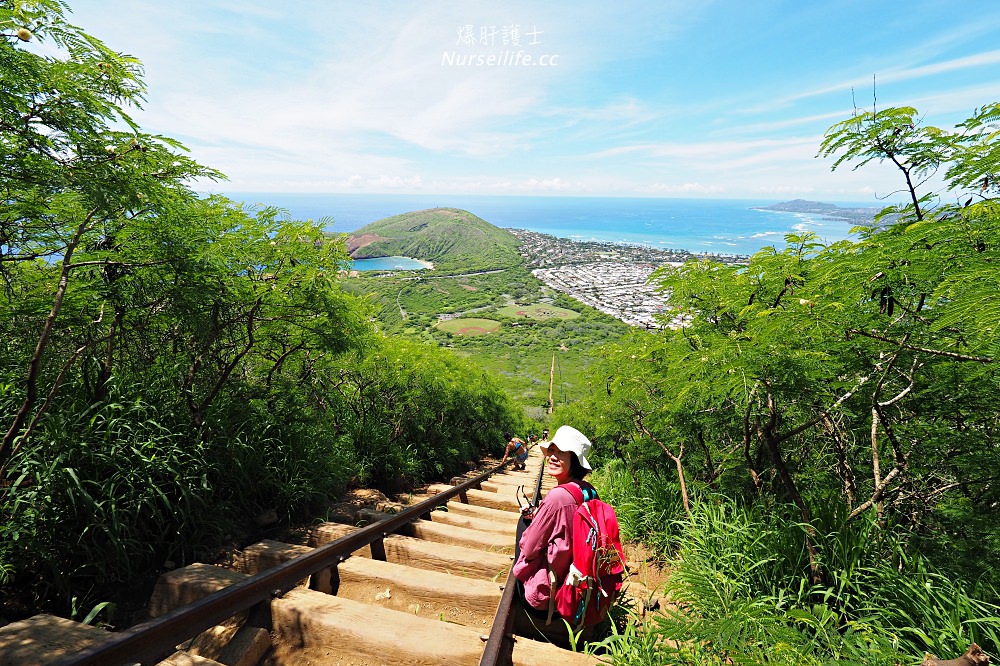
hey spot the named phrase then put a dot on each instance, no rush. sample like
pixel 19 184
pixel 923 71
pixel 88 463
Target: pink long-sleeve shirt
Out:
pixel 547 541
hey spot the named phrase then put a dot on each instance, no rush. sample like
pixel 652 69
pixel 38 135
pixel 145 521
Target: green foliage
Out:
pixel 648 506
pixel 173 366
pixel 423 295
pixel 107 493
pixel 831 411
pixel 744 594
pixel 817 446
pixel 521 351
pixel 415 413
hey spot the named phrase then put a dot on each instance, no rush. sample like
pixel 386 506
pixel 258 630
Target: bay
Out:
pixel 389 264
pixel 715 226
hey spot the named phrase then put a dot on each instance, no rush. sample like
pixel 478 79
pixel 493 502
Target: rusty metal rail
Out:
pixel 155 640
pixel 499 645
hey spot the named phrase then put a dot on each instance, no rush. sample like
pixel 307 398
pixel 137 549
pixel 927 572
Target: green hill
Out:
pixel 452 239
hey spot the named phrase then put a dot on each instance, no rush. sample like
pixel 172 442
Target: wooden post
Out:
pixel 552 376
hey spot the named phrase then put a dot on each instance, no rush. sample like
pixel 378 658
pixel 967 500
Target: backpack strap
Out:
pixel 581 491
pixel 576 490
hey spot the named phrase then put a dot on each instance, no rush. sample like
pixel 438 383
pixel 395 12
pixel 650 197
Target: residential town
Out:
pixel 542 251
pixel 619 289
pixel 611 277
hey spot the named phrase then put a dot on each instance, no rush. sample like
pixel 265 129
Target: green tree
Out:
pixel 160 349
pixel 173 365
pixel 860 368
pixel 78 177
pixel 853 382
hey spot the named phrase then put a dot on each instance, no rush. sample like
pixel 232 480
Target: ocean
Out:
pixel 717 226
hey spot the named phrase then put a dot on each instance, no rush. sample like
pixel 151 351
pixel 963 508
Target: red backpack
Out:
pixel 598 566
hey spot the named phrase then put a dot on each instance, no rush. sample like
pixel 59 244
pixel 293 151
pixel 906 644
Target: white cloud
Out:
pixel 887 75
pixel 338 96
pixel 783 189
pixel 679 189
pixel 555 184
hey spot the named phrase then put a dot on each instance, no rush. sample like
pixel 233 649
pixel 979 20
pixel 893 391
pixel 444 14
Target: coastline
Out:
pixel 541 250
pixel 717 226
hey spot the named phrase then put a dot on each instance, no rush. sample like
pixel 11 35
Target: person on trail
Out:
pixel 517 447
pixel 545 546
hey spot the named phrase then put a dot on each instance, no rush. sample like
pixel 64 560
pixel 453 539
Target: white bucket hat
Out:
pixel 568 438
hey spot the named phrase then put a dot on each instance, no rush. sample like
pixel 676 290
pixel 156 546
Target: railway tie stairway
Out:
pixel 420 592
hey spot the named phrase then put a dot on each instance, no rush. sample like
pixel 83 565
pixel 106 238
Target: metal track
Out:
pixel 155 640
pixel 498 646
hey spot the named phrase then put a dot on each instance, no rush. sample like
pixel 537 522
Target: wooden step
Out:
pixel 444 533
pixel 431 594
pixel 414 552
pixel 505 485
pixel 455 560
pixel 327 532
pixel 484 498
pixel 427 594
pixel 310 627
pixel 458 507
pixel 513 486
pixel 529 477
pixel 528 652
pixel 463 536
pixel 44 640
pixel 182 586
pixel 231 643
pixel 267 554
pixel 506 527
pixel 316 628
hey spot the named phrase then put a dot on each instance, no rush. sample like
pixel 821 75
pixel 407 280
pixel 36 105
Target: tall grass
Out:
pixel 101 498
pixel 110 493
pixel 742 590
pixel 647 504
pixel 746 594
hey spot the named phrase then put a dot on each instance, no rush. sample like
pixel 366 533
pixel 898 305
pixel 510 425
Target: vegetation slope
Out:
pixel 454 240
pixel 521 352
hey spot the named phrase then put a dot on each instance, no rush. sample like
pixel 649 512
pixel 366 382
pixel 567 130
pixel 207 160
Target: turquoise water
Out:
pixel 722 226
pixel 388 264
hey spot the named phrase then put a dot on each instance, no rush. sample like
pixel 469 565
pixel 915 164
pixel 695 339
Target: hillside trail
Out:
pixel 645 567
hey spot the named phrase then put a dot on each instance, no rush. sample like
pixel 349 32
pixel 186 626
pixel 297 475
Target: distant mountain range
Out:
pixel 451 238
pixel 856 216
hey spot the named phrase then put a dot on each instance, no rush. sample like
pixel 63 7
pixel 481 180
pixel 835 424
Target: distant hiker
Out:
pixel 517 447
pixel 561 573
pixel 545 435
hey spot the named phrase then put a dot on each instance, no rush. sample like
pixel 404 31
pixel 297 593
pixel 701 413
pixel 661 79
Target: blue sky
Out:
pixel 672 98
